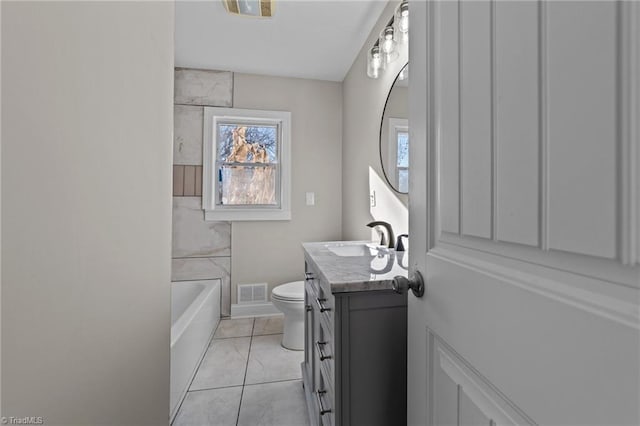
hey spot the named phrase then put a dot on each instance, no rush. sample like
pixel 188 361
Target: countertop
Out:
pixel 372 270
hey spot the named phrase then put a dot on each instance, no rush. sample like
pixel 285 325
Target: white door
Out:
pixel 524 205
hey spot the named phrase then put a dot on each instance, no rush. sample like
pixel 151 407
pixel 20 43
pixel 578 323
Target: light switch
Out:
pixel 311 198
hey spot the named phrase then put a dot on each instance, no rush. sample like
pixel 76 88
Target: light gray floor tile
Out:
pixel 214 407
pixel 269 361
pixel 224 364
pixel 268 325
pixel 273 404
pixel 234 328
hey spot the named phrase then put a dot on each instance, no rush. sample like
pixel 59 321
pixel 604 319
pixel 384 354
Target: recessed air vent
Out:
pixel 252 293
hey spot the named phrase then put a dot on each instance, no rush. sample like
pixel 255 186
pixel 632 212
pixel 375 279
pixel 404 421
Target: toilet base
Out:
pixel 293 337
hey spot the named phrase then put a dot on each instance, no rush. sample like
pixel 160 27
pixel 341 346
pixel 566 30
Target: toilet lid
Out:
pixel 289 291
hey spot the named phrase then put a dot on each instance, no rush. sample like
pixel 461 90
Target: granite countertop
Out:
pixel 363 266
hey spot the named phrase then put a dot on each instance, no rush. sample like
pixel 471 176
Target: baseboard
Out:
pixel 253 310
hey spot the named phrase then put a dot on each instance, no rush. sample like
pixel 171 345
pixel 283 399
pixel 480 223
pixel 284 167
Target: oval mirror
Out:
pixel 394 134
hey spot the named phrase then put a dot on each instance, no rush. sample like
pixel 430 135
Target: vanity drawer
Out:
pixel 325 302
pixel 325 355
pixel 325 400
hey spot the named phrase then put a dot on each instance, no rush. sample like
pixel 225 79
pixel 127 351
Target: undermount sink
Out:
pixel 355 249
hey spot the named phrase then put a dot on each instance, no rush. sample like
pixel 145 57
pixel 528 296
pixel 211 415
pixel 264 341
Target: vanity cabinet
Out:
pixel 355 368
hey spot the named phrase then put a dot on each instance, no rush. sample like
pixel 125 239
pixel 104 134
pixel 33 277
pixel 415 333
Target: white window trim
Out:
pixel 395 125
pixel 243 213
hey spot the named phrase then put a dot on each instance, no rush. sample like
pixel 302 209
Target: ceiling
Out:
pixel 316 39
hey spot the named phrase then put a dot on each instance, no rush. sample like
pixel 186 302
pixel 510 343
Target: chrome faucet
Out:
pixel 388 228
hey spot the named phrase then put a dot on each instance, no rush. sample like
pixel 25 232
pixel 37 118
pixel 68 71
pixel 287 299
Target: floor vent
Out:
pixel 251 293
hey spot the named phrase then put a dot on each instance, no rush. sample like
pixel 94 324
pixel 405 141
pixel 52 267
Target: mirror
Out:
pixel 394 134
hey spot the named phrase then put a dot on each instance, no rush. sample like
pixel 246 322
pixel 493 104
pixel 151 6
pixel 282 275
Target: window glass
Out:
pixel 247 159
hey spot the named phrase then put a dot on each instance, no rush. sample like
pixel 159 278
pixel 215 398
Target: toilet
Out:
pixel 289 299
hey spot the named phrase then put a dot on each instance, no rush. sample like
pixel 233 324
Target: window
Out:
pixel 246 171
pixel 399 153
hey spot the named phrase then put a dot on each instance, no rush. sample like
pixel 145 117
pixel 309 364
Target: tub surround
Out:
pixel 201 249
pixel 355 273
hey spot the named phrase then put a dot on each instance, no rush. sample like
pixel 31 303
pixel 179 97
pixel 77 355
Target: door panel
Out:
pixel 517 122
pixel 581 96
pixel 475 117
pixel 470 414
pixel 450 133
pixel 446 399
pixel 523 213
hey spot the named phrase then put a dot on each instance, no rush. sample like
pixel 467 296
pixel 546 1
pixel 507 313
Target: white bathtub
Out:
pixel 195 312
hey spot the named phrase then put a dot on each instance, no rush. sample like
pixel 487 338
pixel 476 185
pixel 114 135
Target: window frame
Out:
pixel 395 126
pixel 216 212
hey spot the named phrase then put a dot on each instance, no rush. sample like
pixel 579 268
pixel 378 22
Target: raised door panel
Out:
pixel 517 138
pixel 449 108
pixel 445 410
pixel 582 134
pixel 470 413
pixel 462 397
pixel 475 118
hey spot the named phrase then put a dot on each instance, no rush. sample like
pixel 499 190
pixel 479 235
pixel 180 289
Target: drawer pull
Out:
pixel 319 346
pixel 323 411
pixel 308 276
pixel 321 306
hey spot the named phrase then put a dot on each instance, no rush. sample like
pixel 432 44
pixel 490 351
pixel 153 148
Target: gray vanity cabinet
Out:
pixel 354 369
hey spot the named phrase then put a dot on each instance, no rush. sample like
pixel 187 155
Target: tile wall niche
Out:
pixel 201 250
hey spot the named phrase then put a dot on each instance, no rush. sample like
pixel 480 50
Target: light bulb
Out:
pixel 402 17
pixel 374 62
pixel 387 44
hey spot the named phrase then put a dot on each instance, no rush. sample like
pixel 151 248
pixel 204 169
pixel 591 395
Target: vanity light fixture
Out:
pixel 374 62
pixel 394 35
pixel 401 20
pixel 388 45
pixel 255 8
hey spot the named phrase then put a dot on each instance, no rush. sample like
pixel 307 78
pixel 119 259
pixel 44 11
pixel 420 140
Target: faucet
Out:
pixel 386 226
pixel 399 245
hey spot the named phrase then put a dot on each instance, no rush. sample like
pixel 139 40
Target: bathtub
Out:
pixel 195 312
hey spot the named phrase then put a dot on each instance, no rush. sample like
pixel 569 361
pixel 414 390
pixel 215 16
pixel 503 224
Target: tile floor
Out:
pixel 246 378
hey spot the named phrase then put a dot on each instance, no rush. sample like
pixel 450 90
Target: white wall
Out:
pixel 271 251
pixel 363 104
pixel 87 106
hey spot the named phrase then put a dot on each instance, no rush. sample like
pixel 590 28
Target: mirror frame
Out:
pixel 384 171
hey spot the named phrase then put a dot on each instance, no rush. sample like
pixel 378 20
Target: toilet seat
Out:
pixel 293 291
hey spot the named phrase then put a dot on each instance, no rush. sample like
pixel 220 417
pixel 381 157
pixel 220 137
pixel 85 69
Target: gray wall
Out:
pixel 261 251
pixel 363 103
pixel 86 211
pixel 271 251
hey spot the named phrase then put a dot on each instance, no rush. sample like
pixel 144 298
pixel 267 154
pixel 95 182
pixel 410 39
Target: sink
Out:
pixel 355 249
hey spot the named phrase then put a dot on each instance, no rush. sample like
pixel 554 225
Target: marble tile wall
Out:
pixel 201 250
